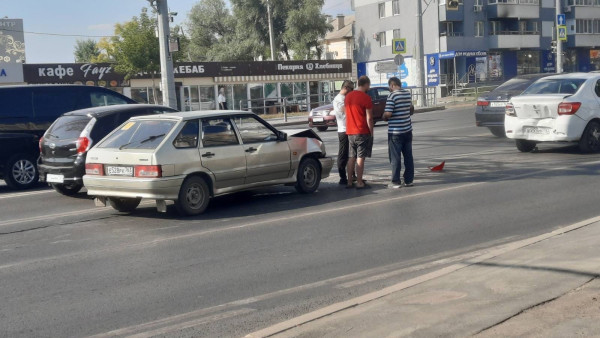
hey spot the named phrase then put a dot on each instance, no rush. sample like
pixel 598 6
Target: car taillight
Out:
pixel 94 169
pixel 510 110
pixel 148 171
pixel 568 108
pixel 483 103
pixel 83 144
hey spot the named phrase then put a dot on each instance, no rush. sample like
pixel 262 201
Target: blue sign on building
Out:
pixel 433 70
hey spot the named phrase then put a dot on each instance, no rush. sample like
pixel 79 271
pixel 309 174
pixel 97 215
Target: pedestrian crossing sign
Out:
pixel 562 33
pixel 399 46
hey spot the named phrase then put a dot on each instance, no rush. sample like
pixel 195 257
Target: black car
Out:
pixel 26 112
pixel 491 106
pixel 64 146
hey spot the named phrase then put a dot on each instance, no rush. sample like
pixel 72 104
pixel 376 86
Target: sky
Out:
pixel 89 18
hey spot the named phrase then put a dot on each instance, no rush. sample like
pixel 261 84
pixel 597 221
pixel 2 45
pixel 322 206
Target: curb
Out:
pixel 338 307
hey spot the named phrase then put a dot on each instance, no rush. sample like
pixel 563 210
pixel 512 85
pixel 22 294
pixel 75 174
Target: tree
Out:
pixel 106 51
pixel 85 51
pixel 209 24
pixel 305 28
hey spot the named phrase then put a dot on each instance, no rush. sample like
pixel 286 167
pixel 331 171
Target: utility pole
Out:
pixel 167 77
pixel 422 102
pixel 270 31
pixel 559 46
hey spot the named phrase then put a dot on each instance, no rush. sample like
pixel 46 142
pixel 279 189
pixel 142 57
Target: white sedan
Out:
pixel 560 108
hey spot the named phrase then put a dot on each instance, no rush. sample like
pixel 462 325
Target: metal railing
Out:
pixel 293 103
pixel 472 91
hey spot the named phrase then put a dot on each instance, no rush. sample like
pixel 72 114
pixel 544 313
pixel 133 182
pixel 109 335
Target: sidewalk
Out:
pixel 546 286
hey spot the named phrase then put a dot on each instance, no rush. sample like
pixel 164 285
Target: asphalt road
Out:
pixel 257 258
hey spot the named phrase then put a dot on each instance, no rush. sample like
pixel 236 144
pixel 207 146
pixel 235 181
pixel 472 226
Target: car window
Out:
pixel 104 125
pixel 99 99
pixel 597 89
pixel 188 136
pixel 254 131
pixel 513 86
pixel 68 127
pixel 554 86
pixel 383 93
pixel 50 103
pixel 218 132
pixel 140 134
pixel 373 94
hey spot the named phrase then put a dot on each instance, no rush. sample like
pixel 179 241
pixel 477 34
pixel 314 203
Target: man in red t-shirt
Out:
pixel 359 128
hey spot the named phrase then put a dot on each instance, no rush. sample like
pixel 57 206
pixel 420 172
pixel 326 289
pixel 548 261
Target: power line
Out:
pixel 59 34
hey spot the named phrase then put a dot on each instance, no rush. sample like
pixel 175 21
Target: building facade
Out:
pixel 469 41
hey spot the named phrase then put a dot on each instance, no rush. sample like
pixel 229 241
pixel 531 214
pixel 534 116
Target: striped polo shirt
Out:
pixel 398 103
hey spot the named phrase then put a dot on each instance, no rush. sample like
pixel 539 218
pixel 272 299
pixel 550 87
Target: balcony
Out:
pixel 456 41
pixel 451 15
pixel 514 40
pixel 583 40
pixel 584 12
pixel 519 9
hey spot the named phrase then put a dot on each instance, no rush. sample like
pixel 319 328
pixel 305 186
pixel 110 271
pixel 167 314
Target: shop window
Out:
pixel 528 62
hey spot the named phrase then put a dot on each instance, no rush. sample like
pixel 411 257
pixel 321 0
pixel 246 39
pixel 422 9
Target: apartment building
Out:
pixel 470 41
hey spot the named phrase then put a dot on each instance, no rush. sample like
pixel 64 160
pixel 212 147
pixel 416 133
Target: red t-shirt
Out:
pixel 357 103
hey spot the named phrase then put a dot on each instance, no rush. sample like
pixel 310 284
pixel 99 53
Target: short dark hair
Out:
pixel 363 80
pixel 395 81
pixel 348 84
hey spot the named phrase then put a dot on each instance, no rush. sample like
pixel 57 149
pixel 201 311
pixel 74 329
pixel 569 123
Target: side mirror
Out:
pixel 282 136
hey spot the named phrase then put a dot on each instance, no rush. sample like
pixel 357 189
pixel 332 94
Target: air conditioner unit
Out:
pixel 477 8
pixel 567 9
pixel 376 36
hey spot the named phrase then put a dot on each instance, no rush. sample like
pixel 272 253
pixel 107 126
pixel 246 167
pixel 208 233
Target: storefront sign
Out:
pixel 447 55
pixel 12 41
pixel 11 73
pixel 72 73
pixel 548 62
pixel 433 70
pixel 471 53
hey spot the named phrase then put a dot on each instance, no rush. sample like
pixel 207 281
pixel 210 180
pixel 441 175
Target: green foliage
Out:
pixel 305 27
pixel 86 51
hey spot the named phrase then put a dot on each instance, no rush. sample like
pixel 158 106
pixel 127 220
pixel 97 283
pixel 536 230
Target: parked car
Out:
pixel 491 106
pixel 323 117
pixel 192 157
pixel 64 146
pixel 27 111
pixel 560 108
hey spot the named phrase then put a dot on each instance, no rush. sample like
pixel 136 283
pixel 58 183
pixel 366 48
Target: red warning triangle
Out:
pixel 438 167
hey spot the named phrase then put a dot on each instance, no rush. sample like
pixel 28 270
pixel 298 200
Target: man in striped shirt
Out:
pixel 398 109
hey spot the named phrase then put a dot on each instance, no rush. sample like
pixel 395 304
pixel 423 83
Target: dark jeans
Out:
pixel 342 159
pixel 401 145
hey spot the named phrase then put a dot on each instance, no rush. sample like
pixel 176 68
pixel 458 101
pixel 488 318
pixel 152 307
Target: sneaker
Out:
pixel 409 184
pixel 343 181
pixel 395 185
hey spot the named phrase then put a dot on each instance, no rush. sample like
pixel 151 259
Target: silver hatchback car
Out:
pixel 191 157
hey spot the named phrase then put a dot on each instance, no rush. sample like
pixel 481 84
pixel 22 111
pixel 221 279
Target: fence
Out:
pixel 294 103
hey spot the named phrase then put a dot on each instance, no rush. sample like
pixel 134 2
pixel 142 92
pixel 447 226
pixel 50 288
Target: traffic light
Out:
pixel 553 46
pixel 452 5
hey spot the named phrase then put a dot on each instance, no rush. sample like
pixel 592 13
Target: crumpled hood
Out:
pixel 308 133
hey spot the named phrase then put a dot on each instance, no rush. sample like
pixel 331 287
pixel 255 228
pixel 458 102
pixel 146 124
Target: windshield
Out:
pixel 68 127
pixel 513 86
pixel 554 86
pixel 147 134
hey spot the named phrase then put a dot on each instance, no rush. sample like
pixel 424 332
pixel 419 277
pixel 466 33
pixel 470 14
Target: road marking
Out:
pixel 334 308
pixel 24 194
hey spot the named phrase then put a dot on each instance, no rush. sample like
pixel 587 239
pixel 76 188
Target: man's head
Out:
pixel 222 90
pixel 394 83
pixel 364 83
pixel 347 87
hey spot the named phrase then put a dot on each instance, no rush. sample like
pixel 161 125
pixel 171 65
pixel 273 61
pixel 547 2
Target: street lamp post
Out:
pixel 422 102
pixel 559 46
pixel 270 31
pixel 167 77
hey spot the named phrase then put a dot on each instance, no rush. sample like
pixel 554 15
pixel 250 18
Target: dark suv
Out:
pixel 323 117
pixel 25 114
pixel 64 146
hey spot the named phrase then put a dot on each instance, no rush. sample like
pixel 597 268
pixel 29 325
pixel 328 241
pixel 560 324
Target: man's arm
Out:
pixel 389 108
pixel 370 121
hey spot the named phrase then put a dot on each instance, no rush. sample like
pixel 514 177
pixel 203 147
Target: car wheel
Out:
pixel 309 176
pixel 21 172
pixel 525 146
pixel 193 196
pixel 124 204
pixel 498 131
pixel 322 128
pixel 590 140
pixel 67 189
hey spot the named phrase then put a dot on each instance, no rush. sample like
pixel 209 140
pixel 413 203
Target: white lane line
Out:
pixel 24 194
pixel 334 308
pixel 284 219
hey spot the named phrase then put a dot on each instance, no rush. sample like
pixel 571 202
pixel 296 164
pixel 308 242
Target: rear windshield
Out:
pixel 513 86
pixel 554 86
pixel 144 134
pixel 68 127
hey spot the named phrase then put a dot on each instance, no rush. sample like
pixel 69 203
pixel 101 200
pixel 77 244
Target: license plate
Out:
pixel 318 119
pixel 537 131
pixel 498 104
pixel 51 178
pixel 119 171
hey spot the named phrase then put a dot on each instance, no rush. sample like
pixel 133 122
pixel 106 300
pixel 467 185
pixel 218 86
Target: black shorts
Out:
pixel 361 145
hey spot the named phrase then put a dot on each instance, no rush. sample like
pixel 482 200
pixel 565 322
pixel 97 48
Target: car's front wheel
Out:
pixel 124 204
pixel 322 128
pixel 21 172
pixel 309 176
pixel 67 189
pixel 193 196
pixel 498 131
pixel 525 146
pixel 590 140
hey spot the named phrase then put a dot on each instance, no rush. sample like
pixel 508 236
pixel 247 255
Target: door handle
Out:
pixel 251 150
pixel 209 154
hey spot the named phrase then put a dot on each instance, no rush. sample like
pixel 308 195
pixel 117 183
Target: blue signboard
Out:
pixel 433 70
pixel 561 20
pixel 548 62
pixel 447 55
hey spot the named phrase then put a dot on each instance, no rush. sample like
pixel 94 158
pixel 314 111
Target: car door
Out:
pixel 379 105
pixel 221 152
pixel 267 158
